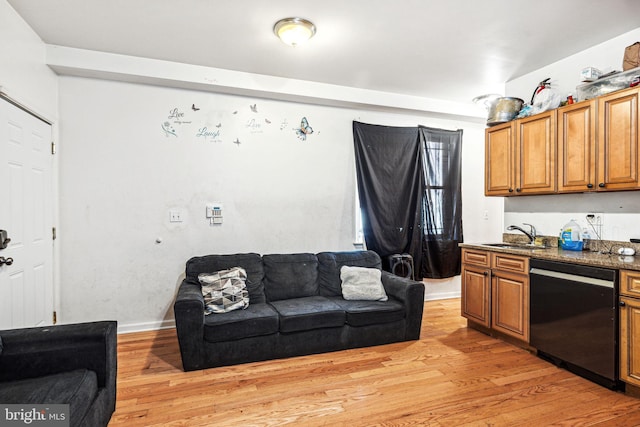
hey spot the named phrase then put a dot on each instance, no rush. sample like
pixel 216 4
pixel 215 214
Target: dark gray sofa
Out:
pixel 65 364
pixel 296 308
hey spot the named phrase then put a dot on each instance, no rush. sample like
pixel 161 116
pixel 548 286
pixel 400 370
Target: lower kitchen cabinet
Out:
pixel 630 327
pixel 510 304
pixel 495 292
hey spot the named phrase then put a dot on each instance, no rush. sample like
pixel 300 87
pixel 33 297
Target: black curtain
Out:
pixel 442 202
pixel 390 187
pixel 409 185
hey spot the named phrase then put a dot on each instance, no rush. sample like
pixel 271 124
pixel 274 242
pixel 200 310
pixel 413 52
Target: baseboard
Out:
pixel 146 326
pixel 441 295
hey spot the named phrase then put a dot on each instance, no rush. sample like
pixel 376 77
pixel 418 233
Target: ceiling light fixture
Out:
pixel 294 31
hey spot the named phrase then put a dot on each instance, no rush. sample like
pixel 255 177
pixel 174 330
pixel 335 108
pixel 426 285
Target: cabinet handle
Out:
pixel 486 273
pixel 511 190
pixel 601 185
pixel 622 304
pixel 589 185
pixel 518 190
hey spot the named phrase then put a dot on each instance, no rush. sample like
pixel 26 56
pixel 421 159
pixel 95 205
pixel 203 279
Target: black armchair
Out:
pixel 65 364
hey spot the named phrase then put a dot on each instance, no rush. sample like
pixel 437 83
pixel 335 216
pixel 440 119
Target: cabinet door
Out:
pixel 536 154
pixel 577 147
pixel 499 160
pixel 510 304
pixel 618 141
pixel 630 341
pixel 476 286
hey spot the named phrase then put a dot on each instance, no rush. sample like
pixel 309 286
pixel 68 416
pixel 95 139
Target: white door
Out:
pixel 26 213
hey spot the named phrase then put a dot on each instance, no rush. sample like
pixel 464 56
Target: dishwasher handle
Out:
pixel 572 277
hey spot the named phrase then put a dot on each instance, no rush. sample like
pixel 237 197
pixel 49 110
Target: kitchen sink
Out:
pixel 515 246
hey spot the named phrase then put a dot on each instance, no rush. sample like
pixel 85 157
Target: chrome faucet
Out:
pixel 531 234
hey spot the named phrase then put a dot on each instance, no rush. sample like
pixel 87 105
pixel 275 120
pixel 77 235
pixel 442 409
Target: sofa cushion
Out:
pixel 224 290
pixel 77 388
pixel 364 313
pixel 303 314
pixel 258 319
pixel 251 262
pixel 360 283
pixel 329 264
pixel 290 276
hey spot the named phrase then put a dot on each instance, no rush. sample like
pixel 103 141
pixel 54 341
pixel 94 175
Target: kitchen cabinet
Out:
pixel 630 327
pixel 476 286
pixel 577 147
pixel 618 140
pixel 596 143
pixel 495 292
pixel 520 156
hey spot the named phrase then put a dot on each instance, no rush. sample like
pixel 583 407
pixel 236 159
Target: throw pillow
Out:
pixel 224 290
pixel 360 283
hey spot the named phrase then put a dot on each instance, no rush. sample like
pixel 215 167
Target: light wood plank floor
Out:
pixel 452 376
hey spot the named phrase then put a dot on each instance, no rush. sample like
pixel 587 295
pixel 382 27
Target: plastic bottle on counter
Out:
pixel 571 237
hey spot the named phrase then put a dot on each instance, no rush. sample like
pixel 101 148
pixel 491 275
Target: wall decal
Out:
pixel 210 135
pixel 177 116
pixel 194 108
pixel 304 129
pixel 267 121
pixel 237 142
pixel 235 112
pixel 168 130
pixel 254 126
pixel 254 108
pixel 219 125
pixel 284 124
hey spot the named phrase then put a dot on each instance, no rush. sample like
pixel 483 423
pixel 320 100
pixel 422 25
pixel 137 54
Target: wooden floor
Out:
pixel 452 376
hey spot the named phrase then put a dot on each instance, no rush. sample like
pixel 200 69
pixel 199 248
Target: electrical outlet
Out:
pixel 175 216
pixel 595 219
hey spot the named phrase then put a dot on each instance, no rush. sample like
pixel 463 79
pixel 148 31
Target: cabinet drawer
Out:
pixel 473 257
pixel 514 264
pixel 630 283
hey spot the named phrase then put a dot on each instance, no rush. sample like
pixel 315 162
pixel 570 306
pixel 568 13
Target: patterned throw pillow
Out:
pixel 224 290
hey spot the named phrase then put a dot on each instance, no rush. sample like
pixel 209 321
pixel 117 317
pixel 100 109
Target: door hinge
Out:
pixel 55 317
pixel 53 147
pixel 54 233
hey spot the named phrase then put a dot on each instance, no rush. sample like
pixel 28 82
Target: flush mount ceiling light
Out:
pixel 294 31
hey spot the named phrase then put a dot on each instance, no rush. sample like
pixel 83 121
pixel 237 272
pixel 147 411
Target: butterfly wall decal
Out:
pixel 304 130
pixel 254 108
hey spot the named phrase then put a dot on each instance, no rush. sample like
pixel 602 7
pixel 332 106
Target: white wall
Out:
pixel 121 175
pixel 23 73
pixel 620 211
pixel 565 74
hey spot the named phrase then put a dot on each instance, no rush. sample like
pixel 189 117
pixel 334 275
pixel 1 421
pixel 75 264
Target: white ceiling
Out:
pixel 448 49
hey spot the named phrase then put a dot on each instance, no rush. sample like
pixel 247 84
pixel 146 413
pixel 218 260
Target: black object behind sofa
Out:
pixel 296 308
pixel 65 364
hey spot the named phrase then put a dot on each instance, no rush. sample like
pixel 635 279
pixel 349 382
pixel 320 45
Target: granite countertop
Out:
pixel 587 257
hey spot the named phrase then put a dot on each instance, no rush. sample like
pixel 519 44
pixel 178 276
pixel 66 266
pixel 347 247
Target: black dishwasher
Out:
pixel 574 318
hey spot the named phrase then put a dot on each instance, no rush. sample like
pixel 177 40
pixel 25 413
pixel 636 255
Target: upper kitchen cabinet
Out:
pixel 499 160
pixel 520 156
pixel 577 147
pixel 618 140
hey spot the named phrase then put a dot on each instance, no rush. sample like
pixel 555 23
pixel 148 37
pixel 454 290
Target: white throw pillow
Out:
pixel 360 283
pixel 224 291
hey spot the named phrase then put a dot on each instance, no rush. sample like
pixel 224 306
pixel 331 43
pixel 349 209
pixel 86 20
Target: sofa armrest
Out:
pixel 36 352
pixel 411 293
pixel 189 314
